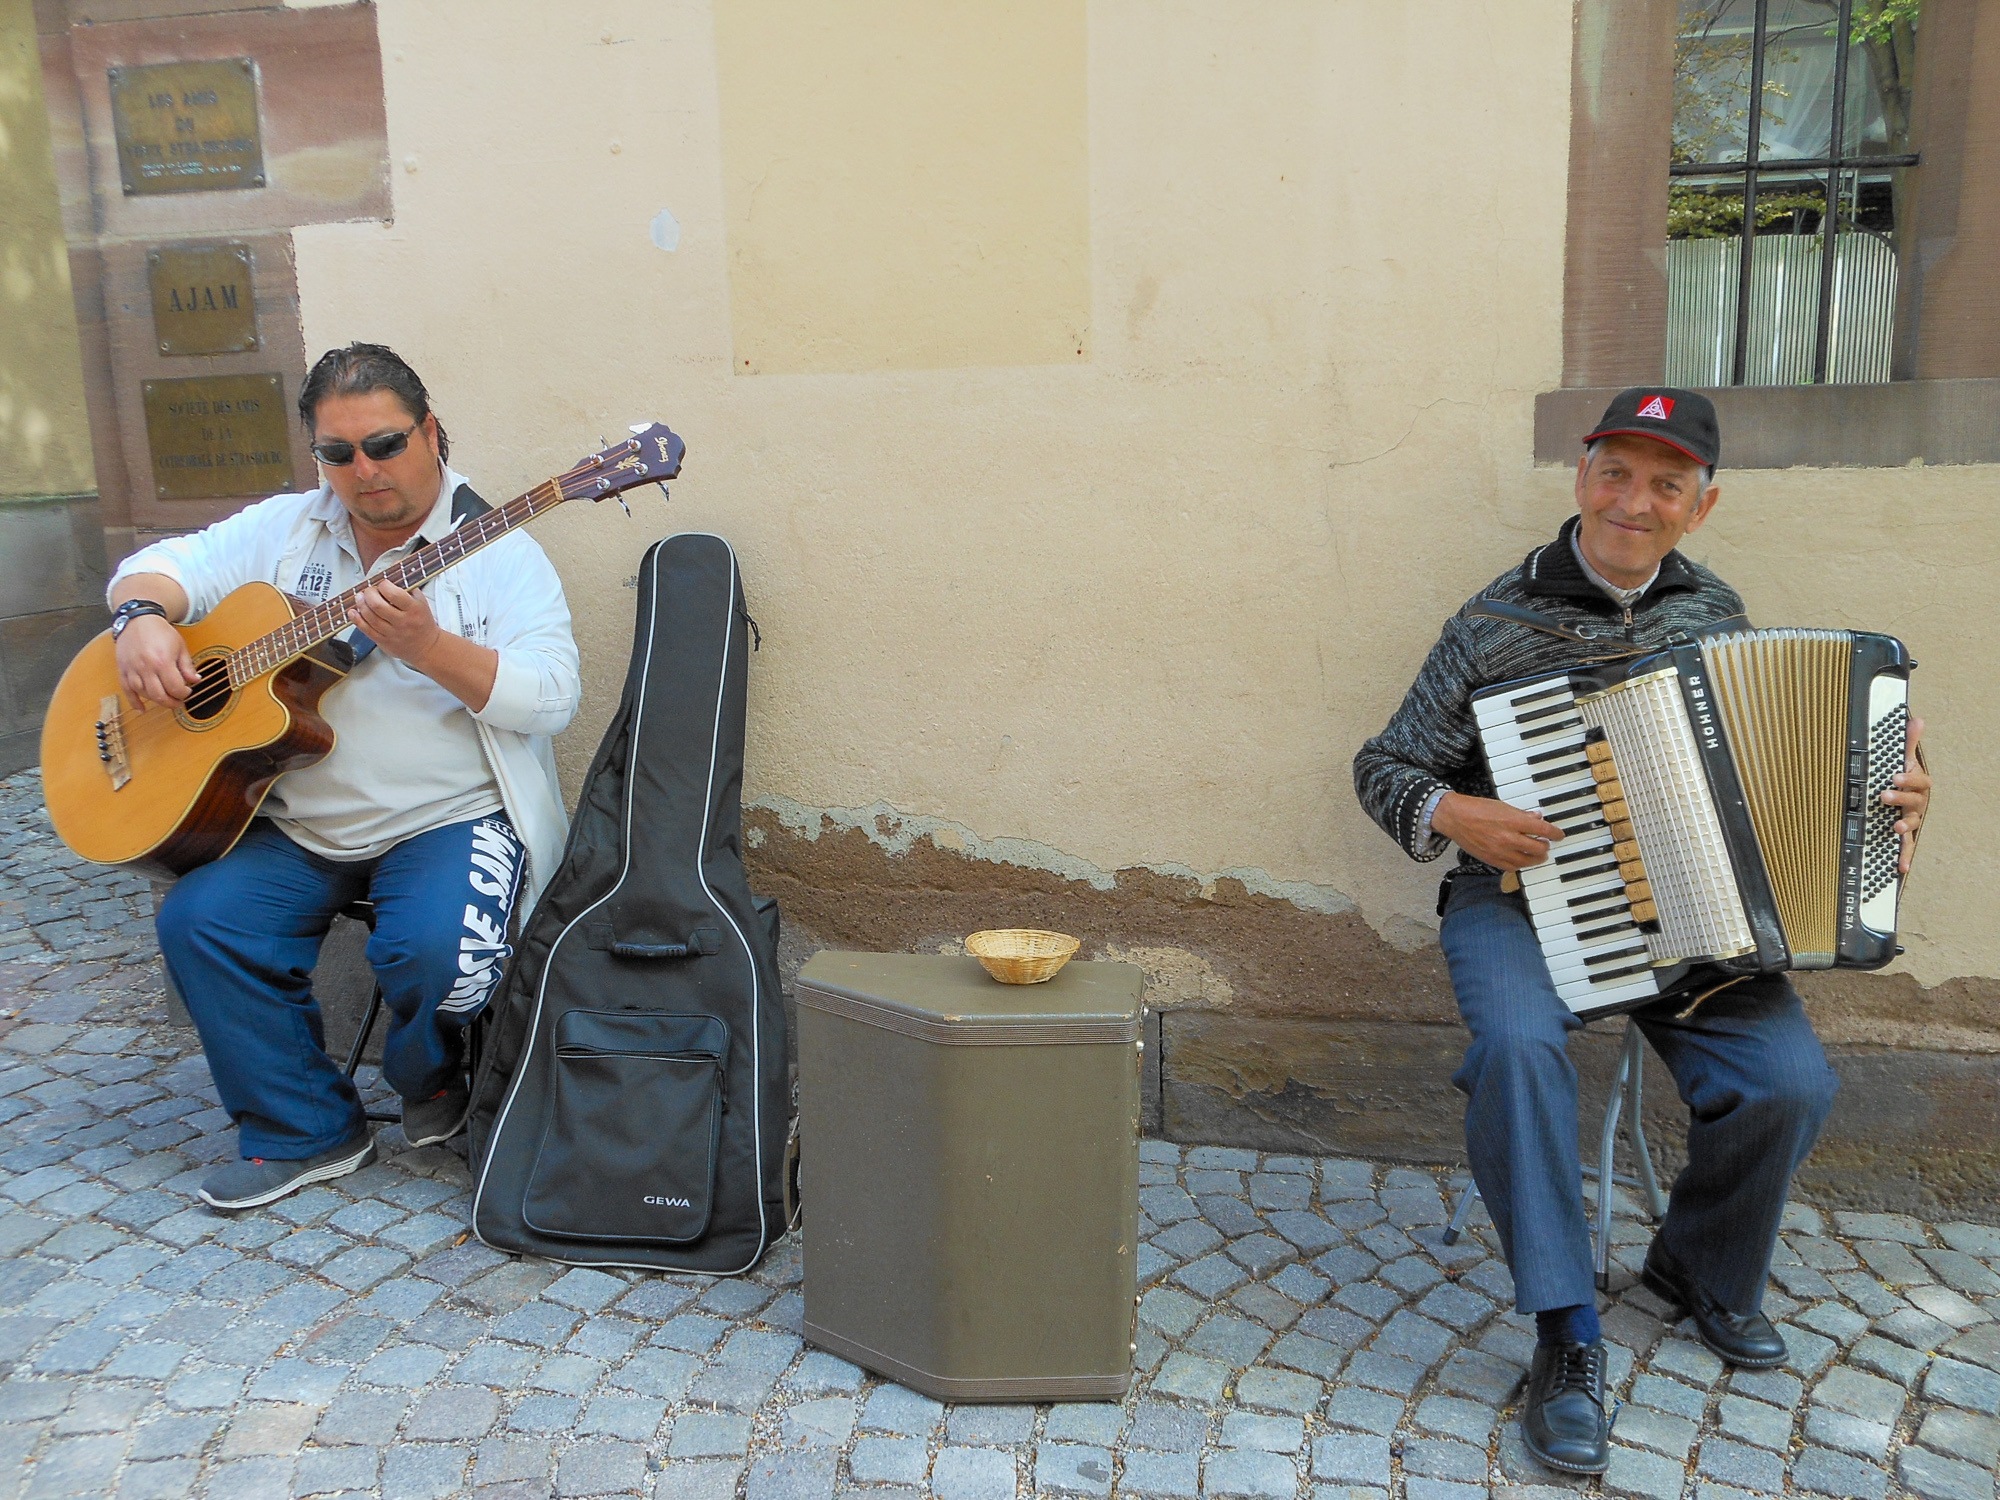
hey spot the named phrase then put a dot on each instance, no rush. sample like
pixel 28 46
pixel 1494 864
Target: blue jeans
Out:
pixel 241 936
pixel 1746 1062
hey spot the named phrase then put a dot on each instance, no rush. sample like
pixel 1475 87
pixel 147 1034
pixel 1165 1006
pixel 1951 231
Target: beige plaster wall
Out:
pixel 1139 607
pixel 886 207
pixel 44 436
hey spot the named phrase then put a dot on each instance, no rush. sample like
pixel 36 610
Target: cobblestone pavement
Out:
pixel 1303 1330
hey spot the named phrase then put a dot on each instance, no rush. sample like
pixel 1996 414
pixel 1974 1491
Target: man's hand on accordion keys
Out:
pixel 1488 829
pixel 1911 793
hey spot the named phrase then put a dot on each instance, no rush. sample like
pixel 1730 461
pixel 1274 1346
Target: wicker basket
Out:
pixel 1022 955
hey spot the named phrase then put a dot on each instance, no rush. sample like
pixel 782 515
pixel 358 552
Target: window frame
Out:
pixel 1943 403
pixel 1754 167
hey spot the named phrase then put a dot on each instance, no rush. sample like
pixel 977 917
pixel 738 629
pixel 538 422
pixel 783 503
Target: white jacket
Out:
pixel 506 596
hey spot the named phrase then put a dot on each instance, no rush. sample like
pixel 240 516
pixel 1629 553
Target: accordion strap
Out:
pixel 1695 1004
pixel 1607 645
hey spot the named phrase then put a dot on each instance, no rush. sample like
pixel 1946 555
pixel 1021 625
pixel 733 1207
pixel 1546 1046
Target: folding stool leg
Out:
pixel 1635 1050
pixel 1607 1181
pixel 368 1019
pixel 364 913
pixel 1468 1196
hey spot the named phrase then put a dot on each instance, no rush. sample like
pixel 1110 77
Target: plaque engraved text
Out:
pixel 187 127
pixel 202 299
pixel 218 435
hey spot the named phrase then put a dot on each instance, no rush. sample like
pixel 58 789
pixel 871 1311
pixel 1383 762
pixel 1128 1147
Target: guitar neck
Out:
pixel 324 621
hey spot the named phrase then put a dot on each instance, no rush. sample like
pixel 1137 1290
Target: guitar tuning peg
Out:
pixel 623 506
pixel 663 490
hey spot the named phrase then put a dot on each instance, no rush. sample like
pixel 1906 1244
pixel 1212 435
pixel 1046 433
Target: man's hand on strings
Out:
pixel 153 661
pixel 397 619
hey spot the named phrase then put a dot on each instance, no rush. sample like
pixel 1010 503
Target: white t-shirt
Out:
pixel 407 757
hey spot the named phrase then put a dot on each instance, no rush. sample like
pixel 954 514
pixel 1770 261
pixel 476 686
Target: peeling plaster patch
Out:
pixel 666 230
pixel 1408 935
pixel 1303 894
pixel 1176 977
pixel 896 832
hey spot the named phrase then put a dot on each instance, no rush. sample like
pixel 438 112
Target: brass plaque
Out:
pixel 202 301
pixel 218 435
pixel 187 127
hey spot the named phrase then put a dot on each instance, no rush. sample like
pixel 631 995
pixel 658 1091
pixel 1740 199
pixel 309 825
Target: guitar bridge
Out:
pixel 111 741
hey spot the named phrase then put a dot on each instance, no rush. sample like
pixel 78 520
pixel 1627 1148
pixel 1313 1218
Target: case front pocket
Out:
pixel 635 1114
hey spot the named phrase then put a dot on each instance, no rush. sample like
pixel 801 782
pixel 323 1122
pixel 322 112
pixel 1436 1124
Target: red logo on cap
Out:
pixel 1659 408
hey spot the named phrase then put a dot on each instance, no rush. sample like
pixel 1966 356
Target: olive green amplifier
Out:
pixel 971 1174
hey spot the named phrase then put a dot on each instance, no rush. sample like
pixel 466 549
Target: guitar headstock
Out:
pixel 651 455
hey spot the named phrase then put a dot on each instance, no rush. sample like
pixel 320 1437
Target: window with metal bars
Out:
pixel 1782 220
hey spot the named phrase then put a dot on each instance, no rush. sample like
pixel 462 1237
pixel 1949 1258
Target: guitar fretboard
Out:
pixel 324 621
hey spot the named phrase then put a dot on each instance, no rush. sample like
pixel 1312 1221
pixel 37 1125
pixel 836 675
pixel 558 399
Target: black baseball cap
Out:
pixel 1680 419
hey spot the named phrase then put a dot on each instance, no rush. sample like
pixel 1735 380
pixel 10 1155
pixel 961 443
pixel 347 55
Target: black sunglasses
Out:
pixel 380 446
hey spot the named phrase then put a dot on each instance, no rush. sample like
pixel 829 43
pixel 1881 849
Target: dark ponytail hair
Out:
pixel 361 368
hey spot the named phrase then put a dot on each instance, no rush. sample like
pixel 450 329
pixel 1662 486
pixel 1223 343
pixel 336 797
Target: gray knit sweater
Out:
pixel 1433 740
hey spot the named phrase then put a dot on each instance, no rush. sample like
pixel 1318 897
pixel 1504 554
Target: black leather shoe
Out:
pixel 1564 1422
pixel 1748 1341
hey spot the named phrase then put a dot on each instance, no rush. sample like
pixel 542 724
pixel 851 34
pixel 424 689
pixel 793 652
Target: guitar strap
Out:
pixel 466 503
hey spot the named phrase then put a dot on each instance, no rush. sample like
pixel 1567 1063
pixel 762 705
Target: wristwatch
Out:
pixel 131 610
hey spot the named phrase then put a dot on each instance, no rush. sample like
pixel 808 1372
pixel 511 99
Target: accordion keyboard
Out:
pixel 1589 904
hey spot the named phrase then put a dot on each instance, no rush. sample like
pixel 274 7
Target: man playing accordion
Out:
pixel 1745 1059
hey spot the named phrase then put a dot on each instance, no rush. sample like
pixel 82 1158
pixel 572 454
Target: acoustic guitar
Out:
pixel 171 787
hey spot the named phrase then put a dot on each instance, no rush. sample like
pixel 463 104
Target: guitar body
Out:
pixel 173 788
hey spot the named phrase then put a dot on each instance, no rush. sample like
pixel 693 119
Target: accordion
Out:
pixel 1720 802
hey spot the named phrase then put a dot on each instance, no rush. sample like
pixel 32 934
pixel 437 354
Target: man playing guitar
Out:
pixel 438 801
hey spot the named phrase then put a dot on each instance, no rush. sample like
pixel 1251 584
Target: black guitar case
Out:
pixel 630 1107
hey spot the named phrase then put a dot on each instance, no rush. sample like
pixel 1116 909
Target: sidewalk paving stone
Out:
pixel 1175 1476
pixel 1243 1429
pixel 1936 1477
pixel 1246 1474
pixel 1073 1469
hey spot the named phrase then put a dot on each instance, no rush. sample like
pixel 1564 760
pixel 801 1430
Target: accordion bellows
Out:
pixel 1720 801
pixel 1784 696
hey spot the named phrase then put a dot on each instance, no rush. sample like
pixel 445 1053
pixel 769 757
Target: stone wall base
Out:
pixel 1911 1132
pixel 1281 1020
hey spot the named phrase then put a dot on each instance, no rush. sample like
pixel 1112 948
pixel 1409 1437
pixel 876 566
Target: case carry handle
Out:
pixel 700 942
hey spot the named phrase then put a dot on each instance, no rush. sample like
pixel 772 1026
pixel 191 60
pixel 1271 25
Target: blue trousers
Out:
pixel 241 936
pixel 1746 1062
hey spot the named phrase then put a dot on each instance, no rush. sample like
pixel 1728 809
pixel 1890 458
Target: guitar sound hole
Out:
pixel 211 695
